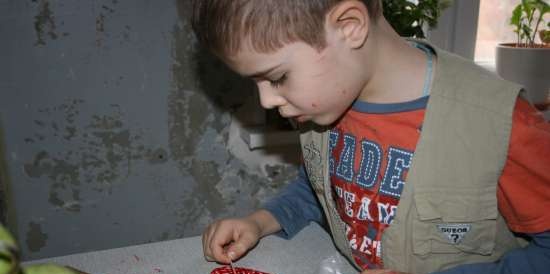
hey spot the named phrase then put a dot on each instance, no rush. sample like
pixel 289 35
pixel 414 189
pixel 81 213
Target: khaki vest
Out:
pixel 453 177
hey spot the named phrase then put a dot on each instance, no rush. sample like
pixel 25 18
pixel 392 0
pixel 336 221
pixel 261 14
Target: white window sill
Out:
pixel 488 65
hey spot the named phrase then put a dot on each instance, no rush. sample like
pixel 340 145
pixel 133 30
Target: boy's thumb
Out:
pixel 240 247
pixel 235 251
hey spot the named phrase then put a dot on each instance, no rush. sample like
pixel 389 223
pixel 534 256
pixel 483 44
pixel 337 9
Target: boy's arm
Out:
pixel 295 207
pixel 533 259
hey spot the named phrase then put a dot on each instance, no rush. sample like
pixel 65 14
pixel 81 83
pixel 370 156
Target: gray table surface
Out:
pixel 308 252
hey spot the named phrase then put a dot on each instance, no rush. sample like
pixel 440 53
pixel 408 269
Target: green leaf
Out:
pixel 544 9
pixel 516 15
pixel 526 29
pixel 545 36
pixel 408 18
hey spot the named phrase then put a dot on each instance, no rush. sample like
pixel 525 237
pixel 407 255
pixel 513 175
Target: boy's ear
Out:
pixel 351 20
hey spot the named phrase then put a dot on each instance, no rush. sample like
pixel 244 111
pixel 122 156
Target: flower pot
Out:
pixel 529 67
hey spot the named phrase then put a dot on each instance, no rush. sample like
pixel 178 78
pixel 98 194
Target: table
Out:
pixel 303 254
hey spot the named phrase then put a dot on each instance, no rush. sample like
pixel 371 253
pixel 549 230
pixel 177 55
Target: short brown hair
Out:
pixel 220 25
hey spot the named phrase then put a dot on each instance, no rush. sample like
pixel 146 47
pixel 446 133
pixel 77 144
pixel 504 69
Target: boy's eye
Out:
pixel 277 83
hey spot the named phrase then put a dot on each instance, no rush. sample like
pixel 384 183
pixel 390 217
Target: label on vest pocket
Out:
pixel 454 232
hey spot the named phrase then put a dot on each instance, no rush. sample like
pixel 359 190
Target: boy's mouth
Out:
pixel 299 118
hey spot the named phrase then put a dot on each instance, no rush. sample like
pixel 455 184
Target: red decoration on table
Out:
pixel 239 270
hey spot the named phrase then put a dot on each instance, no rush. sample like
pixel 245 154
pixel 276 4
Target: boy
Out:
pixel 366 101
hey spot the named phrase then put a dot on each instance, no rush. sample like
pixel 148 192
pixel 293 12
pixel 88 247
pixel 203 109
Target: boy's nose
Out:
pixel 270 99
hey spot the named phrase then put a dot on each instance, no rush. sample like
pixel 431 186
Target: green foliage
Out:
pixel 10 263
pixel 48 269
pixel 545 36
pixel 408 18
pixel 526 18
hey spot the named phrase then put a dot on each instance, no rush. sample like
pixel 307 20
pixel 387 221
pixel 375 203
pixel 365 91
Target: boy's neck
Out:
pixel 397 70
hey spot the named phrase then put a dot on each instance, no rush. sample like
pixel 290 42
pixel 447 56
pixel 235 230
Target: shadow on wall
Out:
pixel 228 91
pixel 225 88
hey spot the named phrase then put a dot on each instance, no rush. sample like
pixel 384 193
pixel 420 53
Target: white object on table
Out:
pixel 303 254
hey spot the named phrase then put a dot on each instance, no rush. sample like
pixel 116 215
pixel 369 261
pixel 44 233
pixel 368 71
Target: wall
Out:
pixel 118 129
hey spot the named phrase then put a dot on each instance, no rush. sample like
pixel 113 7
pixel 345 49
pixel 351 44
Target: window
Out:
pixel 456 29
pixel 493 28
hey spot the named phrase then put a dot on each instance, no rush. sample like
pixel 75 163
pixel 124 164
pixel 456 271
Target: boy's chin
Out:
pixel 323 120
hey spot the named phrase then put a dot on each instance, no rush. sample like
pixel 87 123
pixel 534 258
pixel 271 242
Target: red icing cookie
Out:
pixel 238 270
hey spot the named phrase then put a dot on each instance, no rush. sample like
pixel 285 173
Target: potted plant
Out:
pixel 412 18
pixel 527 61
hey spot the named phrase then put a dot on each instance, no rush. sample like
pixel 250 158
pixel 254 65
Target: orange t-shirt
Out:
pixel 372 147
pixel 524 186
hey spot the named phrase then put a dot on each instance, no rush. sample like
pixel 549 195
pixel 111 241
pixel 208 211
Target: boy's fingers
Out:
pixel 218 253
pixel 206 238
pixel 214 240
pixel 231 255
pixel 208 258
pixel 235 251
pixel 241 246
pixel 220 239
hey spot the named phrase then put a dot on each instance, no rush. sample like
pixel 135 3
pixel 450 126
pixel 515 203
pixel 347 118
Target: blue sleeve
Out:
pixel 295 207
pixel 533 259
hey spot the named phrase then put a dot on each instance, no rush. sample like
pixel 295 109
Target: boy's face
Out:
pixel 304 83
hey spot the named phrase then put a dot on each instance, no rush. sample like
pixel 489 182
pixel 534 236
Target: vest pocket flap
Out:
pixel 441 237
pixel 457 207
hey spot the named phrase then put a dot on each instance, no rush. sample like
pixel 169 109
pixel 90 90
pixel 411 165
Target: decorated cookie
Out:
pixel 238 270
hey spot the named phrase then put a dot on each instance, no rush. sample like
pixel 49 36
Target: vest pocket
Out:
pixel 455 224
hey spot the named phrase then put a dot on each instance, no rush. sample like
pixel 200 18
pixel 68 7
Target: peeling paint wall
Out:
pixel 118 129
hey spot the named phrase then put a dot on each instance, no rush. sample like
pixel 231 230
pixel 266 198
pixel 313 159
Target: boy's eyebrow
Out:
pixel 262 73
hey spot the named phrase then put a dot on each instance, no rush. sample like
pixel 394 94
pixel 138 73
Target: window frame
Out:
pixel 456 30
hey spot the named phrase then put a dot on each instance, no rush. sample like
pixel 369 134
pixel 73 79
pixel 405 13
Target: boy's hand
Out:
pixel 230 239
